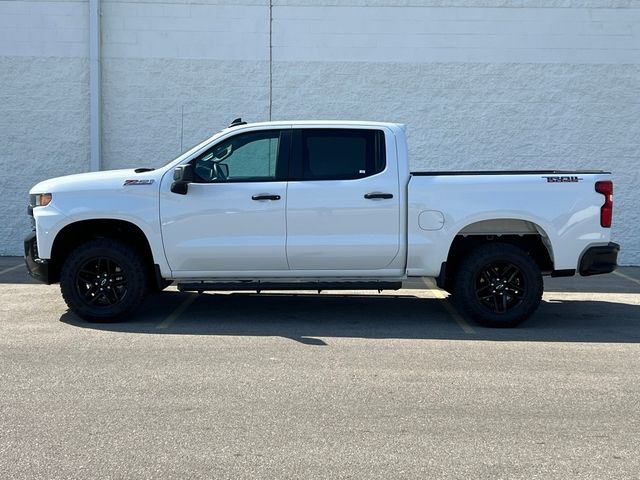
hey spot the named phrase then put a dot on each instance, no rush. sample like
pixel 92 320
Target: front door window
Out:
pixel 249 157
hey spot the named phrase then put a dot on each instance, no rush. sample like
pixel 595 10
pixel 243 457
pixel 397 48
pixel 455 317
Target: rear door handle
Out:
pixel 370 196
pixel 265 196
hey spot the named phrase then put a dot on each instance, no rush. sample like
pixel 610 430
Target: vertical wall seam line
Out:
pixel 95 94
pixel 270 58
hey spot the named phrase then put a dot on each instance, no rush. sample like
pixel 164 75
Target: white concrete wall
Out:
pixel 174 74
pixel 482 84
pixel 44 104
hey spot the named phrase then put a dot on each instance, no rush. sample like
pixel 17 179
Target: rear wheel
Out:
pixel 498 285
pixel 103 280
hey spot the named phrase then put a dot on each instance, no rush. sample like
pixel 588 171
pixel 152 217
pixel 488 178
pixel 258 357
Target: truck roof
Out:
pixel 353 123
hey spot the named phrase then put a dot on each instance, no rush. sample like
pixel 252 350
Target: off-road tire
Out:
pixel 103 280
pixel 498 285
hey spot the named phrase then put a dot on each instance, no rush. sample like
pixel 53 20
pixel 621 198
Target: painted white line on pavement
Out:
pixel 10 269
pixel 167 322
pixel 618 274
pixel 464 325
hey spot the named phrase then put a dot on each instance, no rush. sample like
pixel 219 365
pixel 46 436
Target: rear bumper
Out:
pixel 37 267
pixel 598 260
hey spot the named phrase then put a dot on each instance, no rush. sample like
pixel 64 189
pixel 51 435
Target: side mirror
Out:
pixel 182 177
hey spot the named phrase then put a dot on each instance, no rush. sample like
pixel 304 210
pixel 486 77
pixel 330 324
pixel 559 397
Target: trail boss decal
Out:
pixel 137 182
pixel 563 179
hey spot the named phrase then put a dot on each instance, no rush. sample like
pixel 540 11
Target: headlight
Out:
pixel 42 199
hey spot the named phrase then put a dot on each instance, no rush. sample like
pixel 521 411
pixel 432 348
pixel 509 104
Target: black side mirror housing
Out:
pixel 182 177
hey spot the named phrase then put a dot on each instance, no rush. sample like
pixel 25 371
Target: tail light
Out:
pixel 605 187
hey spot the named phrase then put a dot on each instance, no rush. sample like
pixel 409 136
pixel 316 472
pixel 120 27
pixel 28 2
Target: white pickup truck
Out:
pixel 316 205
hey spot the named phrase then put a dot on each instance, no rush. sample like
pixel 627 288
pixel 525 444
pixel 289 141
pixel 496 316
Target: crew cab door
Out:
pixel 232 218
pixel 343 202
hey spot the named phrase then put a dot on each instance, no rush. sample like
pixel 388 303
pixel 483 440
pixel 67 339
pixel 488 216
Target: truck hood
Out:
pixel 110 179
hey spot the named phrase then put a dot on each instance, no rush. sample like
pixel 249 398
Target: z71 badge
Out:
pixel 138 182
pixel 563 179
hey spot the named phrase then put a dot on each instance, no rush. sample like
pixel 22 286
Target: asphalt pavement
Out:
pixel 315 386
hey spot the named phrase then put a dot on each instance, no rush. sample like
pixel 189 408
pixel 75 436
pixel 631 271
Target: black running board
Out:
pixel 261 286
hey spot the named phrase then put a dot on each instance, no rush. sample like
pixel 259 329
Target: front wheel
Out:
pixel 103 280
pixel 498 285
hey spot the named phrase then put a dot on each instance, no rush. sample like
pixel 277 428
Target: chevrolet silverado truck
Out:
pixel 316 205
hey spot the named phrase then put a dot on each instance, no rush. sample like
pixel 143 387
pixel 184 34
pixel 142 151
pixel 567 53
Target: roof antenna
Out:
pixel 236 122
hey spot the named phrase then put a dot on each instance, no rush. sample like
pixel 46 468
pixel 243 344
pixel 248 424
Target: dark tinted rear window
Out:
pixel 341 154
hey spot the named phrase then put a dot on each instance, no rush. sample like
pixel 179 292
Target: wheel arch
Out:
pixel 524 234
pixel 77 233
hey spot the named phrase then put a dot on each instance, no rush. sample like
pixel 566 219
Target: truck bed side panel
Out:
pixel 441 206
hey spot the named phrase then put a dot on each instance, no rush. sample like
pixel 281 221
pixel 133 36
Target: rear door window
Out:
pixel 337 154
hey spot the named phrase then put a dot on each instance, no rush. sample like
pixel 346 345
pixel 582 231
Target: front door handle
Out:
pixel 265 196
pixel 370 196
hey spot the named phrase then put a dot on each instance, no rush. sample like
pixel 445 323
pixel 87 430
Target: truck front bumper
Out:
pixel 598 260
pixel 37 267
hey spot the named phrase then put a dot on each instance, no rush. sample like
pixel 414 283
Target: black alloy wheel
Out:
pixel 500 286
pixel 102 282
